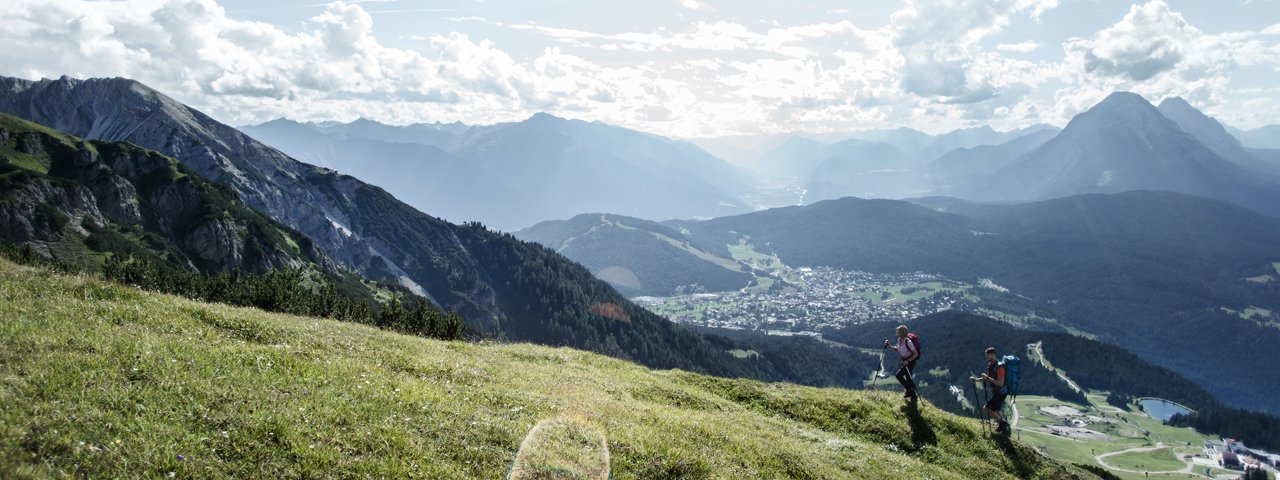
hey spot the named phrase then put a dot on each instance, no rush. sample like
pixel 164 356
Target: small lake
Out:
pixel 1161 410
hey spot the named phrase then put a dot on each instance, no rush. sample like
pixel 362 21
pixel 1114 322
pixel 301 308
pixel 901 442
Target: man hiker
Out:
pixel 908 348
pixel 995 376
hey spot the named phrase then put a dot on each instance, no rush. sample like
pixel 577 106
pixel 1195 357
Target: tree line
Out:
pixel 288 291
pixel 1255 429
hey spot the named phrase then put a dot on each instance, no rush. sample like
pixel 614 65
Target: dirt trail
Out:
pixel 1039 349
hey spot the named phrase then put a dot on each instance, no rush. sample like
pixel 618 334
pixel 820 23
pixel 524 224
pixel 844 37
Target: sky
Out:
pixel 682 68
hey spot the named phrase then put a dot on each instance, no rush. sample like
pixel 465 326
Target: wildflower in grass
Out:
pixel 181 458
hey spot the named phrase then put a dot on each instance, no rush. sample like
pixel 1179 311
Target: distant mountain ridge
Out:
pixel 966 165
pixel 1215 137
pixel 976 137
pixel 1121 144
pixel 513 175
pixel 1261 137
pixel 897 163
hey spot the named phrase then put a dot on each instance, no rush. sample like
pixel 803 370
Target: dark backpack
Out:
pixel 915 343
pixel 1011 365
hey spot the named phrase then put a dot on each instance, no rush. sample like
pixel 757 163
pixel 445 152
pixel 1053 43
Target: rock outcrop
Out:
pixel 61 191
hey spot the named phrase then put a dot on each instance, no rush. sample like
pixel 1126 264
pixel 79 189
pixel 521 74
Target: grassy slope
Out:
pixel 103 380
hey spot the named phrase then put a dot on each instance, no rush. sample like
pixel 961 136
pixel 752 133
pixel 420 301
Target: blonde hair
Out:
pixel 902 329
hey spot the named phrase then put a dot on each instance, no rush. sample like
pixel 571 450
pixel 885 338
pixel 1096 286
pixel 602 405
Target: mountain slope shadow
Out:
pixel 921 433
pixel 1020 464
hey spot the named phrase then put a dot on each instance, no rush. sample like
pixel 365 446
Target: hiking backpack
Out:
pixel 915 343
pixel 1011 370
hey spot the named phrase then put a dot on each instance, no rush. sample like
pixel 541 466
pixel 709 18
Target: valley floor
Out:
pixel 100 380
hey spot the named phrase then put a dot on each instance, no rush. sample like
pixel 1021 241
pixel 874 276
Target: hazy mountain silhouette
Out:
pixel 516 174
pixel 1124 143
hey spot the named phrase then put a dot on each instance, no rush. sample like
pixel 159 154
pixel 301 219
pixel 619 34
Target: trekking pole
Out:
pixel 1013 402
pixel 986 397
pixel 977 405
pixel 975 401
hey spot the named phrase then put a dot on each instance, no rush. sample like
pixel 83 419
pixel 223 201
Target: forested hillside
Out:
pixel 639 257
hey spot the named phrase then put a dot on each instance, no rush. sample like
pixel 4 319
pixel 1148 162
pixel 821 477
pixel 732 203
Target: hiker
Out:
pixel 908 348
pixel 995 376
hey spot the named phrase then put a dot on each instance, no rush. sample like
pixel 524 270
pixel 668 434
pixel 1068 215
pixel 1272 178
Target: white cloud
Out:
pixel 1151 39
pixel 696 6
pixel 1020 47
pixel 927 68
pixel 333 68
pixel 940 42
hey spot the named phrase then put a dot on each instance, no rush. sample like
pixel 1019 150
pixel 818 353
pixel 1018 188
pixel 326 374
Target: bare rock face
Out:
pixel 27 142
pixel 116 197
pixel 43 210
pixel 216 241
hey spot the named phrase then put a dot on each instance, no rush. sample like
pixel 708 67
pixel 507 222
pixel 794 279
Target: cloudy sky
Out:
pixel 687 68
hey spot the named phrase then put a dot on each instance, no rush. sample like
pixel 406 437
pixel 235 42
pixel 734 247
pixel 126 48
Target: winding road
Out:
pixel 1189 469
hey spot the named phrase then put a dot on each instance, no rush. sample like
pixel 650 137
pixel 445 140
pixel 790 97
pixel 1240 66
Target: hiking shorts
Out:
pixel 997 402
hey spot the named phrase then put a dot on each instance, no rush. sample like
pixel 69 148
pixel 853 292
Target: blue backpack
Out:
pixel 1011 365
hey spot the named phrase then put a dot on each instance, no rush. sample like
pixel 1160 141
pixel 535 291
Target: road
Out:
pixel 1188 470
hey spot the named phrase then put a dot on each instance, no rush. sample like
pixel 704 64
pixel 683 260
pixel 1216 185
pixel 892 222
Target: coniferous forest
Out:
pixel 281 291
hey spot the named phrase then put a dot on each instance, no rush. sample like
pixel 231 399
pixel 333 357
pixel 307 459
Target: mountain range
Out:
pixel 1124 143
pixel 971 164
pixel 512 175
pixel 887 163
pixel 516 174
pixel 1121 144
pixel 1267 137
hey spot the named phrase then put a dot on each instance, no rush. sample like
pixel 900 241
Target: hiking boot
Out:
pixel 1002 428
pixel 909 395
